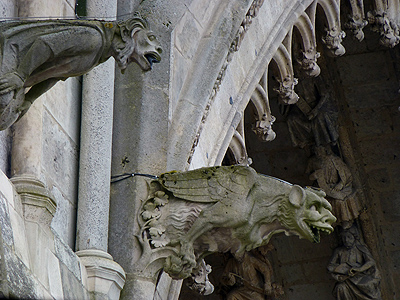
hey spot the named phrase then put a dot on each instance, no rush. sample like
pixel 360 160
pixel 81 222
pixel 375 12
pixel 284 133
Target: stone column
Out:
pixel 105 277
pixel 139 142
pixel 7 10
pixel 95 158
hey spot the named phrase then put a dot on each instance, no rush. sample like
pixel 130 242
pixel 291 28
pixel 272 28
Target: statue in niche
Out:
pixel 313 120
pixel 188 215
pixel 335 178
pixel 354 269
pixel 250 277
pixel 35 55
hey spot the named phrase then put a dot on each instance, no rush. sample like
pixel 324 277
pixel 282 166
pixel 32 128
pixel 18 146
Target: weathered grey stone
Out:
pixel 354 268
pixel 227 205
pixel 54 274
pixel 48 43
pixel 315 291
pixel 21 283
pixel 105 278
pixel 5 222
pixel 72 287
pixel 95 158
pixel 63 103
pixel 5 149
pixel 64 220
pixel 67 257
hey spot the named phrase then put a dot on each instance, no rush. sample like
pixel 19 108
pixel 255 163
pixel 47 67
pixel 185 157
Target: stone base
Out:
pixel 105 278
pixel 39 204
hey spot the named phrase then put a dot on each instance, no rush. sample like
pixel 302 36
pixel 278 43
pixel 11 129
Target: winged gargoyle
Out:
pixel 35 55
pixel 219 209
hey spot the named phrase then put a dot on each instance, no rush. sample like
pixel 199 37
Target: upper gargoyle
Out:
pixel 37 54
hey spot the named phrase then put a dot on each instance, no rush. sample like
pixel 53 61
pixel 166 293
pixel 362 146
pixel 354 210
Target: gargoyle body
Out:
pixel 37 54
pixel 221 209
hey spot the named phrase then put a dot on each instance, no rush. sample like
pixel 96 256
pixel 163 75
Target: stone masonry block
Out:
pixel 6 189
pixel 392 241
pixel 390 203
pixel 63 103
pixel 372 66
pixel 5 222
pixel 380 179
pixel 203 10
pixel 311 291
pixel 72 287
pixel 369 122
pixel 20 241
pixel 67 257
pixel 60 159
pixel 387 153
pixel 55 283
pixel 187 35
pixel 64 221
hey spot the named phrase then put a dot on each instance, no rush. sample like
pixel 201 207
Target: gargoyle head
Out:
pixel 139 45
pixel 307 213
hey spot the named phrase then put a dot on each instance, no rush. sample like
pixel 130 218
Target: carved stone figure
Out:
pixel 354 269
pixel 198 281
pixel 243 276
pixel 333 41
pixel 219 209
pixel 37 54
pixel 335 178
pixel 263 128
pixel 286 92
pixel 386 27
pixel 313 120
pixel 308 62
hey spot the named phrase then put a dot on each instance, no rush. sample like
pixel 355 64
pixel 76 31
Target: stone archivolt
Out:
pixel 382 20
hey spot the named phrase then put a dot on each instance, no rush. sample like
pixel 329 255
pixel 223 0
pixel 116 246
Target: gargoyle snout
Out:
pixel 328 217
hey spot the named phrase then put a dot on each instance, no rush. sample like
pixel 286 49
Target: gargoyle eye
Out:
pixel 313 208
pixel 152 37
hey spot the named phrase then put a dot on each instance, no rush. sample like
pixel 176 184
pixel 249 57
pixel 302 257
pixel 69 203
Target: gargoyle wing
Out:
pixel 211 184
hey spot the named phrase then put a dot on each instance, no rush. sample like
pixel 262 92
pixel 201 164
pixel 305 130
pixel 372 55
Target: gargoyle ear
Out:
pixel 297 196
pixel 125 34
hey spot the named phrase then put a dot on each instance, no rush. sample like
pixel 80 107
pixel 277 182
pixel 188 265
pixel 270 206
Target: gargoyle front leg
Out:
pixel 9 82
pixel 214 216
pixel 35 92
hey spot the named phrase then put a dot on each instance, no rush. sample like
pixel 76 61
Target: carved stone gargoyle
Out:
pixel 37 54
pixel 189 215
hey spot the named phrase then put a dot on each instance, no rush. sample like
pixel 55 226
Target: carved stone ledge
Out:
pixel 286 92
pixel 386 27
pixel 333 41
pixel 39 204
pixel 105 277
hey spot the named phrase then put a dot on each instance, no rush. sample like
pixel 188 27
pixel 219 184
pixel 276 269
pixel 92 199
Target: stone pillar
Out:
pixel 139 142
pixel 95 158
pixel 105 277
pixel 7 10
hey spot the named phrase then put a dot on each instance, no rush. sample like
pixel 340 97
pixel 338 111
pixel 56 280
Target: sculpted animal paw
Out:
pixel 9 82
pixel 177 267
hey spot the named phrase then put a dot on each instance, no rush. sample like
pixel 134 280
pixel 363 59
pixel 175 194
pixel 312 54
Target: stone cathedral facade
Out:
pixel 306 91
